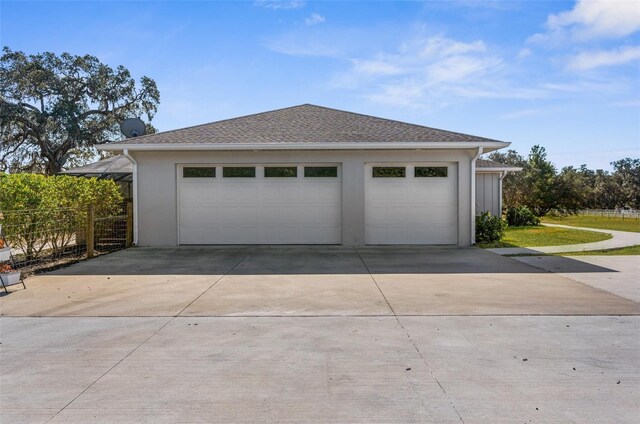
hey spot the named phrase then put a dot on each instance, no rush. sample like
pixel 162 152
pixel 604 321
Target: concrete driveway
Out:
pixel 312 334
pixel 311 281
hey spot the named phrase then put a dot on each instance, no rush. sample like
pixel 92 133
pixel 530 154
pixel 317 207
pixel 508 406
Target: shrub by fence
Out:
pixel 47 219
pixel 46 238
pixel 521 216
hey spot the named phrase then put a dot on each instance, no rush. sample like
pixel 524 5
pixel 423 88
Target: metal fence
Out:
pixel 45 239
pixel 612 213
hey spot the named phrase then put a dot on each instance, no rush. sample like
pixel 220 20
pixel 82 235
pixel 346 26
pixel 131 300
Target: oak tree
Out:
pixel 54 106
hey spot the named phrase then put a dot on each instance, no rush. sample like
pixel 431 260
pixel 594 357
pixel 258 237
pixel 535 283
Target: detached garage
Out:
pixel 304 175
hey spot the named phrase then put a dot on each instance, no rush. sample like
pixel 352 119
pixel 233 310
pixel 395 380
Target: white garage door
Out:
pixel 260 204
pixel 411 203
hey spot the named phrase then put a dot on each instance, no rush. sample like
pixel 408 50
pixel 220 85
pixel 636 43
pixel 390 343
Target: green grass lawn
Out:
pixel 620 251
pixel 626 224
pixel 545 236
pixel 629 250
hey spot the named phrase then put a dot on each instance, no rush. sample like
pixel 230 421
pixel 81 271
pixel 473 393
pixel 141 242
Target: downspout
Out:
pixel 502 175
pixel 473 194
pixel 125 152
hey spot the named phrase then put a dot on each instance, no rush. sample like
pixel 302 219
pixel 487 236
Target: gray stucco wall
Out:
pixel 488 192
pixel 157 199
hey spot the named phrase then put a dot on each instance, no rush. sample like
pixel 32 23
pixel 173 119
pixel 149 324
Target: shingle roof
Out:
pixel 486 163
pixel 113 165
pixel 304 124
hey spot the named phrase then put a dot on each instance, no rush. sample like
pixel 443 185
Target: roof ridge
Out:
pixel 285 124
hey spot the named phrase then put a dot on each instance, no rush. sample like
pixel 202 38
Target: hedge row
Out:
pixel 42 213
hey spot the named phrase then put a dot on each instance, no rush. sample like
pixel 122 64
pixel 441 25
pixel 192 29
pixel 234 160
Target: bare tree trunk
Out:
pixel 54 164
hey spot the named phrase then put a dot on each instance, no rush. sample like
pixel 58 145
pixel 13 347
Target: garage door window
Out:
pixel 280 171
pixel 198 172
pixel 388 172
pixel 430 171
pixel 239 172
pixel 321 171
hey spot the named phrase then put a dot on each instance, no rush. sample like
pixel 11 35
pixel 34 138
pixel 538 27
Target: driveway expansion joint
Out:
pixel 413 343
pixel 148 338
pixel 217 281
pixel 110 369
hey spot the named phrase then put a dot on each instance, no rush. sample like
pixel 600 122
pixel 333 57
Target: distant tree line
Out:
pixel 542 188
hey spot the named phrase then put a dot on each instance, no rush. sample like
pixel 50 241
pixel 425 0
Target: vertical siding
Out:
pixel 488 193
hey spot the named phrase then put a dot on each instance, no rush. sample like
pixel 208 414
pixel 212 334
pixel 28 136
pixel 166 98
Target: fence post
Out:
pixel 91 223
pixel 129 223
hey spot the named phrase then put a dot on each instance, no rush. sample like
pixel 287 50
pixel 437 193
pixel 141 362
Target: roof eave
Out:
pixel 486 145
pixel 499 169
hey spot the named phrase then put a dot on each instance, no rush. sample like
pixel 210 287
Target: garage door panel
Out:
pixel 236 235
pixel 411 210
pixel 274 193
pixel 322 193
pixel 190 214
pixel 192 233
pixel 377 216
pixel 396 193
pixel 259 210
pixel 208 217
pixel 278 216
pixel 434 215
pixel 392 235
pixel 325 216
pixel 192 195
pixel 206 233
pixel 397 215
pixel 239 215
pixel 288 193
pixel 236 192
pixel 438 235
pixel 432 192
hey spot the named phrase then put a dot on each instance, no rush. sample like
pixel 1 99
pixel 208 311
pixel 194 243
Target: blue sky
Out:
pixel 565 75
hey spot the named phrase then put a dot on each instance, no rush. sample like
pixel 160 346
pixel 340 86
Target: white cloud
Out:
pixel 596 59
pixel 627 103
pixel 499 89
pixel 323 41
pixel 403 93
pixel 426 71
pixel 438 46
pixel 574 87
pixel 314 19
pixel 591 19
pixel 432 71
pixel 280 4
pixel 375 67
pixel 521 113
pixel 524 53
pixel 457 68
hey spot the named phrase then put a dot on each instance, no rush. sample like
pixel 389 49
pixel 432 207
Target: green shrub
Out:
pixel 489 228
pixel 46 212
pixel 521 216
